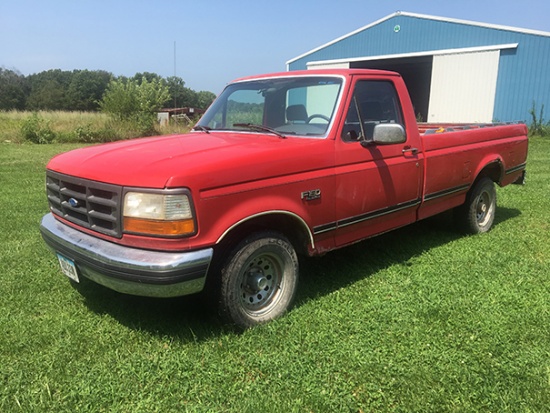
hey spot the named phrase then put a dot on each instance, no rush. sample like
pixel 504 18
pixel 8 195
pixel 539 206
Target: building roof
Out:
pixel 427 17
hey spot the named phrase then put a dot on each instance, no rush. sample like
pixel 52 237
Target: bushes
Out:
pixel 538 126
pixel 58 127
pixel 76 127
pixel 135 101
pixel 36 129
pixel 129 111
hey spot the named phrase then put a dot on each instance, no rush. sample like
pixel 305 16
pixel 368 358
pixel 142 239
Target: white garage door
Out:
pixel 463 87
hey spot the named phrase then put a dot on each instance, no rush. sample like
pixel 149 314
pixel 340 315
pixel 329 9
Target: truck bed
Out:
pixel 425 128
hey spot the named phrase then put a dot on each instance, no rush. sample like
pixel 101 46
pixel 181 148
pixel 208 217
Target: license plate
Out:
pixel 68 268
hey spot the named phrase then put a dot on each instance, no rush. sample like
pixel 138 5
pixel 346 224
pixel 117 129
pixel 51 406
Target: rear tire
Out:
pixel 259 280
pixel 477 214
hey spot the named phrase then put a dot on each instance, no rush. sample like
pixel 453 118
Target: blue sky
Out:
pixel 216 41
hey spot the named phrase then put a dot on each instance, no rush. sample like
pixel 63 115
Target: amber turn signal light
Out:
pixel 159 228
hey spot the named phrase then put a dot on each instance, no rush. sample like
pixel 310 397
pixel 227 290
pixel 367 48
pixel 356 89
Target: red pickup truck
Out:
pixel 279 165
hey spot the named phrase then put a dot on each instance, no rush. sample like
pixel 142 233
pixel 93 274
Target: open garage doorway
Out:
pixel 417 74
pixel 446 86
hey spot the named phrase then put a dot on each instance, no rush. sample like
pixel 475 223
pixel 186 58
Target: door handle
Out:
pixel 407 149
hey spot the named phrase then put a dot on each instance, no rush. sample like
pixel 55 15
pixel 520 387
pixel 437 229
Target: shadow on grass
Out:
pixel 338 269
pixel 194 318
pixel 188 318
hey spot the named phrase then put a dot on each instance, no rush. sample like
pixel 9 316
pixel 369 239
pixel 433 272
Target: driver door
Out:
pixel 378 187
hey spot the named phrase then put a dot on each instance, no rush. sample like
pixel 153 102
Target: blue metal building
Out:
pixel 456 70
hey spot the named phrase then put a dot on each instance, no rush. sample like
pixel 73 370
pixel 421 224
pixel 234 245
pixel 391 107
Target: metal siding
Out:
pixel 463 87
pixel 523 79
pixel 523 76
pixel 415 35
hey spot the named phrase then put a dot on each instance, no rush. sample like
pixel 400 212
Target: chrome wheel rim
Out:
pixel 484 209
pixel 261 282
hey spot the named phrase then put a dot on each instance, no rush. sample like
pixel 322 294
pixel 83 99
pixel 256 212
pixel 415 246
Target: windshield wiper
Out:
pixel 262 128
pixel 202 128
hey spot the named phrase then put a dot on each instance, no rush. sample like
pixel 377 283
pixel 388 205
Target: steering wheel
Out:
pixel 318 115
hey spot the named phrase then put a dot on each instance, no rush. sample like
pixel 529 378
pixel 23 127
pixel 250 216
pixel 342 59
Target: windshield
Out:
pixel 302 106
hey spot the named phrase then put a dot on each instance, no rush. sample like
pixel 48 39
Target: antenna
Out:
pixel 175 106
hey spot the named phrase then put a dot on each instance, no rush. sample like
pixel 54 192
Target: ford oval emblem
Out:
pixel 73 202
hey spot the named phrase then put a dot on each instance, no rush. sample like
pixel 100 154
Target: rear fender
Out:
pixel 492 167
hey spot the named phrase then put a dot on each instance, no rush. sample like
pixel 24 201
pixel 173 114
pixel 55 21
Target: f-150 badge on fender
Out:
pixel 311 195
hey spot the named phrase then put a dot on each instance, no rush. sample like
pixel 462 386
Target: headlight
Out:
pixel 158 214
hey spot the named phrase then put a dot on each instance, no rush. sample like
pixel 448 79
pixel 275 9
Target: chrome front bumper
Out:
pixel 128 270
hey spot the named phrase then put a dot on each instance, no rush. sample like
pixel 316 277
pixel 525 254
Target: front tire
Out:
pixel 478 212
pixel 259 280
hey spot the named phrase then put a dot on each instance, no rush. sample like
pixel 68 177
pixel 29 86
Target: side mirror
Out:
pixel 388 133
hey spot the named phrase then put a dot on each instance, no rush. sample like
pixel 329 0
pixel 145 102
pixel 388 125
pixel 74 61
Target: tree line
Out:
pixel 84 90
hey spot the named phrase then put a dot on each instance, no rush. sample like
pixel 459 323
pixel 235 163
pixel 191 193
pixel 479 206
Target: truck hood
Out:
pixel 200 160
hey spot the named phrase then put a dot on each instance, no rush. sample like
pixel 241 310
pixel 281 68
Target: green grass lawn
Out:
pixel 423 319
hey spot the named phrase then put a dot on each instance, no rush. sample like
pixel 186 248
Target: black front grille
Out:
pixel 89 204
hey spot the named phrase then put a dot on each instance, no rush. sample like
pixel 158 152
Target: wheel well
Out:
pixel 492 171
pixel 288 225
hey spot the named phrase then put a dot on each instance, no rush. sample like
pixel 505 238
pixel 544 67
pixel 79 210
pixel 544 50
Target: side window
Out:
pixel 373 102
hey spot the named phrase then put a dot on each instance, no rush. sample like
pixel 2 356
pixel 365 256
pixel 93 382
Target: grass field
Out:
pixel 419 320
pixel 71 127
